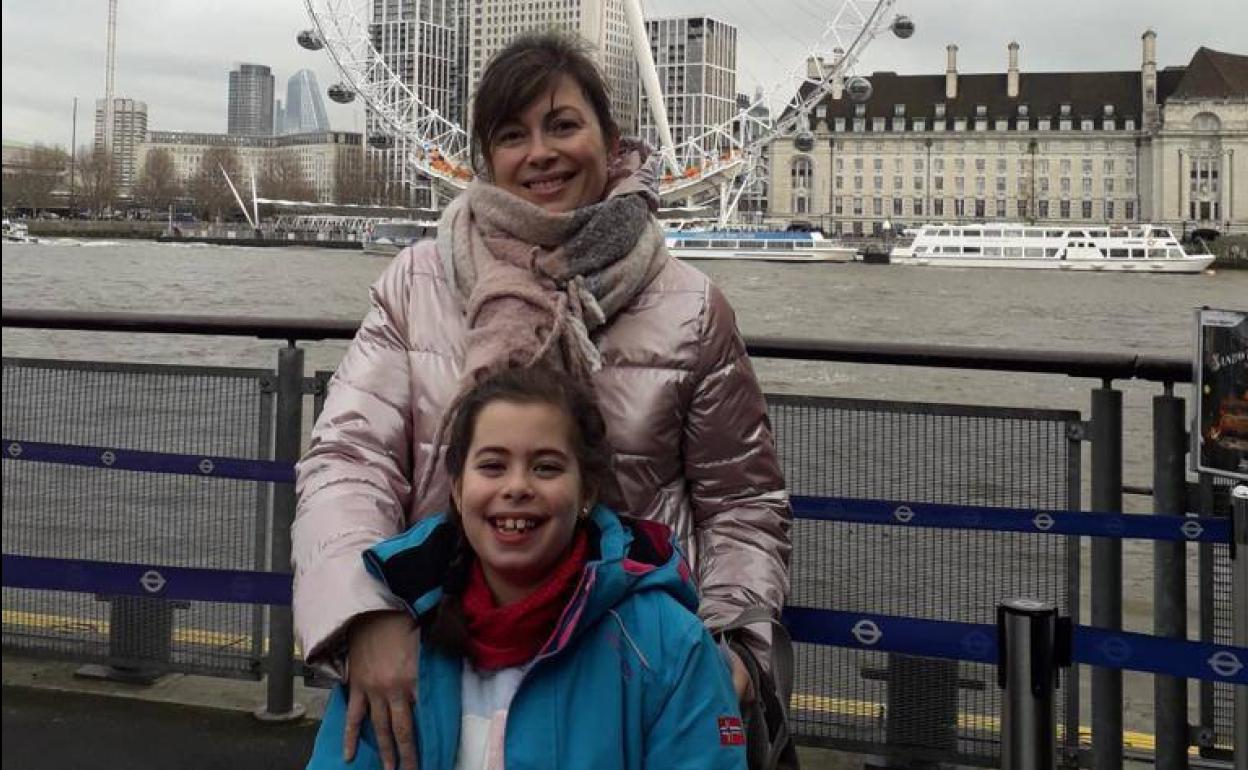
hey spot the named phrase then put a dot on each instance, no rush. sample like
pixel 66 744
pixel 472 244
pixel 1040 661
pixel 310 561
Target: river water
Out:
pixel 1027 310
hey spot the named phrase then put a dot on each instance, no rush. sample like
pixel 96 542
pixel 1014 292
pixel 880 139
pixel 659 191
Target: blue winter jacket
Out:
pixel 630 679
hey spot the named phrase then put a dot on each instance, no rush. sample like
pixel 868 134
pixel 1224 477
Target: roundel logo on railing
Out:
pixel 867 632
pixel 1191 529
pixel 152 581
pixel 903 514
pixel 1225 663
pixel 205 466
pixel 1116 649
pixel 15 449
pixel 977 643
pixel 1043 522
pixel 107 457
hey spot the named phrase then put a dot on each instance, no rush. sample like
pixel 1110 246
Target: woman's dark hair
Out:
pixel 536 385
pixel 525 70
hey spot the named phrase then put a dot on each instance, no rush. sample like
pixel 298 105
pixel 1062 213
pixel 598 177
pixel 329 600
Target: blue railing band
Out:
pixel 150 580
pixel 854 510
pixel 973 642
pixel 206 466
pixel 1187 529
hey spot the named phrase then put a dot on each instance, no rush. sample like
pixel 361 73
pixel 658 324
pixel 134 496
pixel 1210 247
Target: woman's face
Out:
pixel 519 495
pixel 553 154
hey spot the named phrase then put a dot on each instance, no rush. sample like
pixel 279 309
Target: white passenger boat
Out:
pixel 386 239
pixel 1137 248
pixel 770 246
pixel 17 232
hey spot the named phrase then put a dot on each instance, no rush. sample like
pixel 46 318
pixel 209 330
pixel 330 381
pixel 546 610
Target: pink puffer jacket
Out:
pixel 684 412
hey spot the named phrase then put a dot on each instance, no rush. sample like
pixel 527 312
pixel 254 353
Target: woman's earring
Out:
pixel 585 511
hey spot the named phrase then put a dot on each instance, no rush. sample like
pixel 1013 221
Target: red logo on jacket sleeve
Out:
pixel 731 733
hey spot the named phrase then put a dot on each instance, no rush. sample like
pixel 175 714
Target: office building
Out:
pixel 304 109
pixel 129 130
pixel 696 62
pixel 251 101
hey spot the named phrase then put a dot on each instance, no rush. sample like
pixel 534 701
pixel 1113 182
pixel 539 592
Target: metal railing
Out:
pixel 1104 431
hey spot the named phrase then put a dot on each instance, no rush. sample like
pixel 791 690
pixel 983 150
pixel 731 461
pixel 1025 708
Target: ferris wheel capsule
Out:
pixel 341 93
pixel 858 89
pixel 310 40
pixel 903 27
pixel 804 141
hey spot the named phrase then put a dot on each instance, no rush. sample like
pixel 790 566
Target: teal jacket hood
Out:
pixel 626 556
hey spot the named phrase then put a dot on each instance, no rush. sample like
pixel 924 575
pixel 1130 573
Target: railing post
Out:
pixel 1107 573
pixel 1027 669
pixel 1239 603
pixel 1169 578
pixel 287 437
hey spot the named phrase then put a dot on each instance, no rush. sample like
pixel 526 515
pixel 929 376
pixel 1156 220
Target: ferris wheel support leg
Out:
pixel 650 79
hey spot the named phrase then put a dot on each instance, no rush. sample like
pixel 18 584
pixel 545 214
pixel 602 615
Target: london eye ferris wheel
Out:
pixel 715 165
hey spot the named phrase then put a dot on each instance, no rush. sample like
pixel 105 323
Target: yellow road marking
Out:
pixel 800 701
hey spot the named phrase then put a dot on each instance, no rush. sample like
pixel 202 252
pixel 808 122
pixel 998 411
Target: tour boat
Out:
pixel 17 232
pixel 1134 248
pixel 770 246
pixel 389 238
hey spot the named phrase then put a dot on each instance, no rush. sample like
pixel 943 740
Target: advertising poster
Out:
pixel 1220 441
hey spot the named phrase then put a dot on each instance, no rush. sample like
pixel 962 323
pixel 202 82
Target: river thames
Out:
pixel 1027 310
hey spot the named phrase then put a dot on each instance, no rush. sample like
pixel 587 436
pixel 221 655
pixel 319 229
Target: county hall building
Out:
pixel 1166 146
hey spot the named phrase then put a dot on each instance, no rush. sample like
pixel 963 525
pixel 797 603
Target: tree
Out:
pixel 208 186
pixel 282 178
pixel 158 186
pixel 37 178
pixel 98 187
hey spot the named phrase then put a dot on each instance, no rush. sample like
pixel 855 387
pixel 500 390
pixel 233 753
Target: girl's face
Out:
pixel 519 495
pixel 553 154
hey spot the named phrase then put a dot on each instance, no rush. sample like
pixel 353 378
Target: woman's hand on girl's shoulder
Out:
pixel 382 653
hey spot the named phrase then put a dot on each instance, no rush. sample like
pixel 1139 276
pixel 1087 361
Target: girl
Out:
pixel 557 634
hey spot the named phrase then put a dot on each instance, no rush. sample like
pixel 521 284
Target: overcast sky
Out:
pixel 176 54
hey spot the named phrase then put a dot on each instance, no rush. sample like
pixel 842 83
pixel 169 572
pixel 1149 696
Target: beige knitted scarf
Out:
pixel 537 285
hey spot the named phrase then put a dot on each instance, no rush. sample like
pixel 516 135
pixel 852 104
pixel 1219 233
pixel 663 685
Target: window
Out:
pixel 980 164
pixel 938 207
pixel 1109 210
pixel 877 164
pixel 981 184
pixel 877 206
pixel 1065 110
pixel 959 124
pixel 959 207
pixel 940 109
pixel 1000 185
pixel 939 183
pixel 839 205
pixel 959 184
pixel 1022 124
pixel 979 208
pixel 898 182
pixel 1022 110
pixel 1087 209
pixel 1001 124
pixel 840 182
pixel 1065 166
pixel 959 164
pixel 1003 165
pixel 981 110
pixel 920 124
pixel 1128 124
pixel 838 124
pixel 918 207
pixel 1022 209
pixel 1064 207
pixel 877 124
pixel 857 183
pixel 896 207
pixel 1000 209
pixel 1042 124
pixel 1086 125
pixel 857 164
pixel 858 206
pixel 878 182
pixel 1087 185
pixel 1109 166
pixel 1108 124
pixel 918 164
pixel 1065 185
pixel 860 124
pixel 860 110
pixel 918 183
pixel 899 110
pixel 1042 209
pixel 1109 186
pixel 938 165
pixel 1044 165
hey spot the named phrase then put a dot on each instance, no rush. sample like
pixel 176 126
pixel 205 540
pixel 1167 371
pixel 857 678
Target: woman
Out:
pixel 553 256
pixel 557 633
